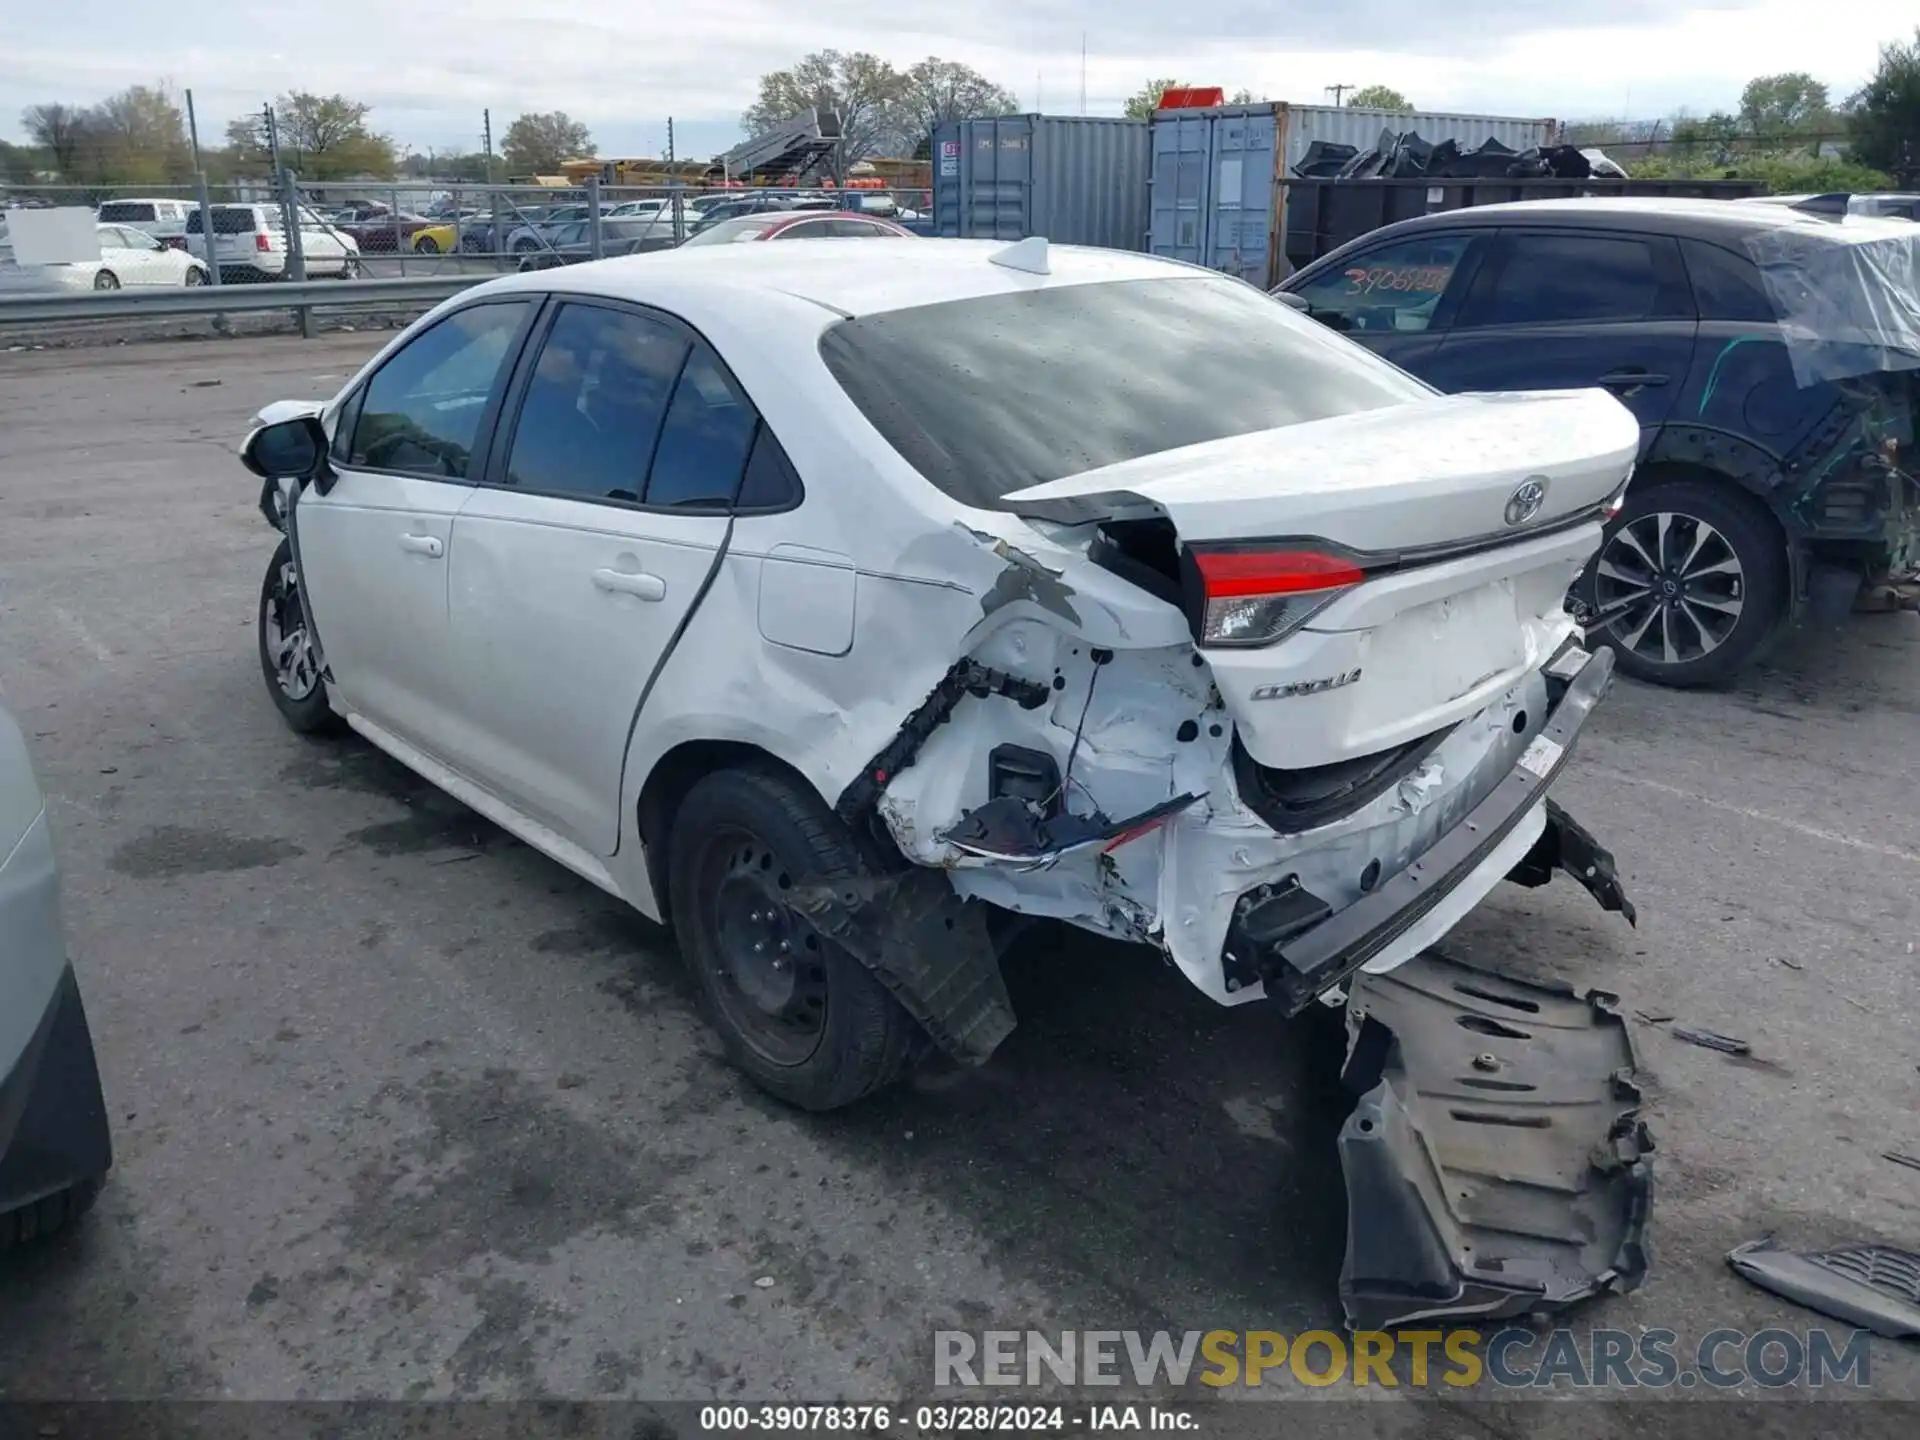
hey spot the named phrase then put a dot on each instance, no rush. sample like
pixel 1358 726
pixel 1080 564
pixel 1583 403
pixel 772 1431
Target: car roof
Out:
pixel 893 273
pixel 1655 214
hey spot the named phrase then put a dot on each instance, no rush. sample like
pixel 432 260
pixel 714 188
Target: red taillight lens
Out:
pixel 1254 597
pixel 262 241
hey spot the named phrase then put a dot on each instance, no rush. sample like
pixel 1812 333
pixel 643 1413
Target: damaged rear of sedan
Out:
pixel 1089 586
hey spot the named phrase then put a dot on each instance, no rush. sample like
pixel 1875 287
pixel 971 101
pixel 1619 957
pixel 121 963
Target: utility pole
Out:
pixel 1339 90
pixel 205 203
pixel 676 207
pixel 486 140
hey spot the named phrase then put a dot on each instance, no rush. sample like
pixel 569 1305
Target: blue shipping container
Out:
pixel 1078 180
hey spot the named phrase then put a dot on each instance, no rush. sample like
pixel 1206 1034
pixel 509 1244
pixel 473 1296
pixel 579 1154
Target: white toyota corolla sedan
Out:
pixel 824 599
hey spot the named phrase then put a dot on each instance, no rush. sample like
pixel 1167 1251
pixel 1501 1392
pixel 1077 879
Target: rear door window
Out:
pixel 1397 287
pixel 124 212
pixel 594 405
pixel 1726 286
pixel 1550 278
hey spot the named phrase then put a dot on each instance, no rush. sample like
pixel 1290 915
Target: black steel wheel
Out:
pixel 1689 585
pixel 806 1020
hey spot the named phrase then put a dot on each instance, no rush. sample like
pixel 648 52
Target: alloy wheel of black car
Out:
pixel 1669 587
pixel 1689 585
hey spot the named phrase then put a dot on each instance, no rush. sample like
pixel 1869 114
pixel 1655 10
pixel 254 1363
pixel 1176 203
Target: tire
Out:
pixel 426 245
pixel 47 1215
pixel 106 280
pixel 1713 600
pixel 195 276
pixel 740 837
pixel 301 695
pixel 525 247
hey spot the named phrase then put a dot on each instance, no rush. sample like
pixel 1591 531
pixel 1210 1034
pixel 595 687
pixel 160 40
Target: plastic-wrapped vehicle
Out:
pixel 1771 355
pixel 54 1144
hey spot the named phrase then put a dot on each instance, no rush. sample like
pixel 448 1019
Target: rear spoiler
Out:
pixel 1833 204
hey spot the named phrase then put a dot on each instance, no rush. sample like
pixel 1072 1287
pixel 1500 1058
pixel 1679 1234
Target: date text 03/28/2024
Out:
pixel 941 1419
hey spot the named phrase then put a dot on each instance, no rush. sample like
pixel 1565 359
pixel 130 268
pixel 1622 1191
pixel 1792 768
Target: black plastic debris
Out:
pixel 1711 1040
pixel 1875 1287
pixel 1496 1163
pixel 1324 160
pixel 1404 155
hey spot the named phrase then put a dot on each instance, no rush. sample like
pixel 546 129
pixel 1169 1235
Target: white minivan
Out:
pixel 250 244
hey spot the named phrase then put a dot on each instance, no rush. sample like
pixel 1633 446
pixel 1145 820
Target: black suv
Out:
pixel 1778 471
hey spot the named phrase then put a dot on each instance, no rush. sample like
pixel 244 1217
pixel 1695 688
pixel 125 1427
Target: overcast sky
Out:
pixel 430 67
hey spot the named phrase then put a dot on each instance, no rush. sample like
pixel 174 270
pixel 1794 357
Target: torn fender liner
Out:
pixel 1569 846
pixel 967 677
pixel 1873 1286
pixel 1496 1164
pixel 928 946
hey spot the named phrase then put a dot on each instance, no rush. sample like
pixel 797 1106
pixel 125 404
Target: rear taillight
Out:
pixel 1257 596
pixel 262 241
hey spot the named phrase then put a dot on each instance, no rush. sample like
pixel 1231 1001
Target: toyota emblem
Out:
pixel 1525 502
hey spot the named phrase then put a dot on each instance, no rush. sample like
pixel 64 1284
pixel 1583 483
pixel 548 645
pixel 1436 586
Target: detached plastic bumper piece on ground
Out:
pixel 1873 1286
pixel 1496 1164
pixel 54 1142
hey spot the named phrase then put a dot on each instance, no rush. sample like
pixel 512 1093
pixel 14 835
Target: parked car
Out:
pixel 128 257
pixel 1776 475
pixel 164 219
pixel 535 234
pixel 573 244
pixel 379 229
pixel 55 1146
pixel 800 596
pixel 735 206
pixel 250 244
pixel 799 225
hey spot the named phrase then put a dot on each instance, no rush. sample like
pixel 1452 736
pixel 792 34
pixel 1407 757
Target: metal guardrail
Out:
pixel 302 296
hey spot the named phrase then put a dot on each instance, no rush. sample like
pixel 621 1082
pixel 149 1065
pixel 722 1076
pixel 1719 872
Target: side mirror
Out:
pixel 289 450
pixel 1292 301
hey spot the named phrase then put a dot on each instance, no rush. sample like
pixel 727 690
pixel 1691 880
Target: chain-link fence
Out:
pixel 263 230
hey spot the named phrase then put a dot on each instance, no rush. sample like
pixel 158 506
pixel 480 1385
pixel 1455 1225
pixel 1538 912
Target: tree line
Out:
pixel 1777 132
pixel 140 136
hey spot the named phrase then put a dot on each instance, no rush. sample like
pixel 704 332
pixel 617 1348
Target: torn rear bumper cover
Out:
pixel 1496 1165
pixel 1299 951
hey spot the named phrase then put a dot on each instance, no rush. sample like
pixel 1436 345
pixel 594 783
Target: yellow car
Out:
pixel 437 239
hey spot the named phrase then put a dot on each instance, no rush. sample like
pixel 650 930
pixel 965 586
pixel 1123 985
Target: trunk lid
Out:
pixel 1416 559
pixel 1417 476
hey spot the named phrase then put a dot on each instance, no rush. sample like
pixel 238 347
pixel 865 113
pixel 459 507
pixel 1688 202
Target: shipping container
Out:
pixel 1076 179
pixel 1217 197
pixel 1323 215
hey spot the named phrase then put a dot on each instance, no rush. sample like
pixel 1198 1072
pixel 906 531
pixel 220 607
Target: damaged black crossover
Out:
pixel 1771 355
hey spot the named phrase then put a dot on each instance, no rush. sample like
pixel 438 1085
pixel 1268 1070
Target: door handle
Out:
pixel 1630 379
pixel 423 545
pixel 625 582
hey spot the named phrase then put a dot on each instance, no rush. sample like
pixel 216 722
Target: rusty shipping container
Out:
pixel 1076 179
pixel 1219 175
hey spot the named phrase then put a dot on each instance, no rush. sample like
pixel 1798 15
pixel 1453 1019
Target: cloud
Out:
pixel 430 73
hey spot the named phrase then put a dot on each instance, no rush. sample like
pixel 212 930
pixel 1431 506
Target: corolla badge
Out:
pixel 1306 687
pixel 1525 501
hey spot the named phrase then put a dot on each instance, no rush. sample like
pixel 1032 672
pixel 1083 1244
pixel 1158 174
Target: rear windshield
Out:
pixel 988 396
pixel 121 211
pixel 233 220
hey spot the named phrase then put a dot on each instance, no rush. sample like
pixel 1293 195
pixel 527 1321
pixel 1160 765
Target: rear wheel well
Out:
pixel 1670 472
pixel 676 773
